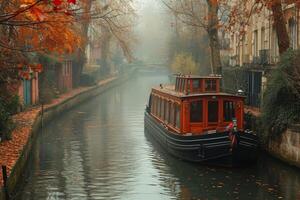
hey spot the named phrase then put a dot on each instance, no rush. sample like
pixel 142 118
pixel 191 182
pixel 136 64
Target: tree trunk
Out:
pixel 80 59
pixel 78 64
pixel 280 27
pixel 105 51
pixel 212 30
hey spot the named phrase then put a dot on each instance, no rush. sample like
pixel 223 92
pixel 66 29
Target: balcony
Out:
pixel 233 61
pixel 256 60
pixel 264 56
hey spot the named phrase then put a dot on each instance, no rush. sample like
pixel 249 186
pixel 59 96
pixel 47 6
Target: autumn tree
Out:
pixel 241 12
pixel 55 28
pixel 205 15
pixel 58 27
pixel 108 19
pixel 189 40
pixel 184 63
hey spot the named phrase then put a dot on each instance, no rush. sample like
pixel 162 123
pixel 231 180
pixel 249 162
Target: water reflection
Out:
pixel 99 151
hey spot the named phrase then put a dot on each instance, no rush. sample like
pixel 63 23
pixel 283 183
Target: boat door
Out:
pixel 196 115
pixel 212 113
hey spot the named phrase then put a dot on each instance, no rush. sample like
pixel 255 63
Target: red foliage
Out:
pixel 57 2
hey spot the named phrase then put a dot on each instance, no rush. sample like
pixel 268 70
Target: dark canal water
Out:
pixel 99 151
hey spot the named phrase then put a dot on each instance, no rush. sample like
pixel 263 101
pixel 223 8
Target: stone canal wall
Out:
pixel 287 146
pixel 49 112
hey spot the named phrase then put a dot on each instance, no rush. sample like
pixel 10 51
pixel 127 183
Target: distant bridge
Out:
pixel 150 65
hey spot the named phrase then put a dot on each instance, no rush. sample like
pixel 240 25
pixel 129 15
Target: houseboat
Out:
pixel 195 121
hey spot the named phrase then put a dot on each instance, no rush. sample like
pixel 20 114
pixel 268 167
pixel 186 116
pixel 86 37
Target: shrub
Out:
pixel 6 123
pixel 13 105
pixel 185 64
pixel 87 80
pixel 281 104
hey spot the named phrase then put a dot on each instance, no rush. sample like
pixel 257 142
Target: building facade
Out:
pixel 256 51
pixel 63 76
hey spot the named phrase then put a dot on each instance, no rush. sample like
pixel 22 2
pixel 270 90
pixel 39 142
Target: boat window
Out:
pixel 166 111
pixel 177 84
pixel 210 85
pixel 154 105
pixel 169 113
pixel 213 111
pixel 189 85
pixel 172 113
pixel 177 116
pixel 196 85
pixel 182 85
pixel 162 109
pixel 228 110
pixel 196 110
pixel 158 107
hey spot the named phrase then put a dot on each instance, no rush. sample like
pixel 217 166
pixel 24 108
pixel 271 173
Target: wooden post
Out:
pixel 42 120
pixel 4 174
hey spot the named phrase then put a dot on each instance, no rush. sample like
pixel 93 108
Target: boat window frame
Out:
pixel 182 85
pixel 152 103
pixel 202 110
pixel 169 114
pixel 158 107
pixel 172 113
pixel 177 84
pixel 217 111
pixel 196 89
pixel 209 86
pixel 166 111
pixel 233 112
pixel 162 109
pixel 177 122
pixel 188 87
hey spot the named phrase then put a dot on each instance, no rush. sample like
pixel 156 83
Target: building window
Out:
pixel 274 47
pixel 196 110
pixel 210 85
pixel 177 116
pixel 213 111
pixel 228 111
pixel 255 47
pixel 262 41
pixel 293 33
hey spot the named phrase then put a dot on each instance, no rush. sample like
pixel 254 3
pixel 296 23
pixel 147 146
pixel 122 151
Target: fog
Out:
pixel 153 31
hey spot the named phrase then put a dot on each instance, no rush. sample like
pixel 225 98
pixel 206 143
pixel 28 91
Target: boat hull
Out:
pixel 216 148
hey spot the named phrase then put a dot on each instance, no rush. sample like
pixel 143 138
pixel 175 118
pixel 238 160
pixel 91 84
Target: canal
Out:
pixel 99 151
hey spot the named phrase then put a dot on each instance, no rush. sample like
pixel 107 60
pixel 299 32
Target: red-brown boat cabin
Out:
pixel 195 106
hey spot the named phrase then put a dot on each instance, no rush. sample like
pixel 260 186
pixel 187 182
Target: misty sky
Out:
pixel 153 30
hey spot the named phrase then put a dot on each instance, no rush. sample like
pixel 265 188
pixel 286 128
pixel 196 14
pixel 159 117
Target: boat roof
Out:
pixel 170 89
pixel 198 77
